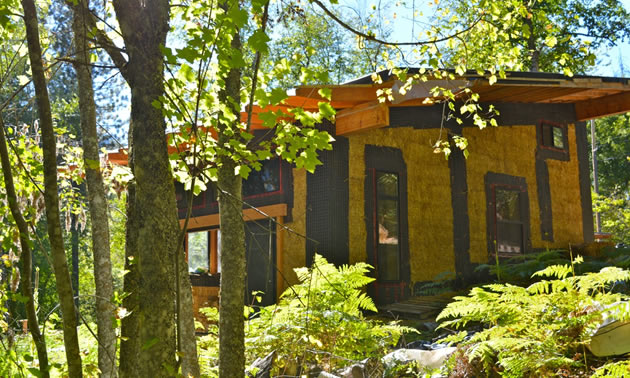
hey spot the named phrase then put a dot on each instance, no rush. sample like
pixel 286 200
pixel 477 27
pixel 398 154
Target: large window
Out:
pixel 388 218
pixel 507 214
pixel 204 251
pixel 509 221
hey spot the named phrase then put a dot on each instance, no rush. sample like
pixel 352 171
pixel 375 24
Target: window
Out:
pixel 507 214
pixel 388 216
pixel 509 222
pixel 553 136
pixel 266 180
pixel 203 250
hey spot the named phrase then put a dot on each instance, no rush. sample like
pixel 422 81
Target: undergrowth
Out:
pixel 318 322
pixel 539 330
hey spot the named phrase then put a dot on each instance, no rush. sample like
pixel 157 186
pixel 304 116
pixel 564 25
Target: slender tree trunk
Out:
pixel 231 322
pixel 74 243
pixel 188 347
pixel 129 332
pixel 531 46
pixel 97 199
pixel 51 197
pixel 26 256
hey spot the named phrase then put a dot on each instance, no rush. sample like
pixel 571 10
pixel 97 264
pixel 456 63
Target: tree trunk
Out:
pixel 51 197
pixel 144 25
pixel 26 256
pixel 129 332
pixel 531 46
pixel 231 323
pixel 188 347
pixel 97 199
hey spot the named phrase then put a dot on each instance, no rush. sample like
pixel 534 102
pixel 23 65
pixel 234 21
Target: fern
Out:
pixel 613 369
pixel 536 330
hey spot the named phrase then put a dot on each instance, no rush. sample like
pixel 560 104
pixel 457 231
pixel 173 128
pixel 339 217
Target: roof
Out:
pixel 592 96
pixel 359 109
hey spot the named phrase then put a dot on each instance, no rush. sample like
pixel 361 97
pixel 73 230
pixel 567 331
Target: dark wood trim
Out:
pixel 510 114
pixel 544 199
pixel 548 152
pixel 493 180
pixel 387 159
pixel 585 182
pixel 459 205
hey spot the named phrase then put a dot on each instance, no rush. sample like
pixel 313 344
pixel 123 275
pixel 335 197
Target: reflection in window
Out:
pixel 387 214
pixel 266 180
pixel 553 136
pixel 198 256
pixel 509 222
pixel 204 251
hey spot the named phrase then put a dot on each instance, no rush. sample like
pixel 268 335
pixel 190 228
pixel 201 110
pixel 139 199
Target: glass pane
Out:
pixel 388 262
pixel 509 237
pixel 387 213
pixel 387 184
pixel 507 205
pixel 218 251
pixel 266 180
pixel 558 137
pixel 198 252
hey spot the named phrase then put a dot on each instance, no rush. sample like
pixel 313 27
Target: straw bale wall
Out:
pixel 430 215
pixel 509 150
pixel 566 206
pixel 295 245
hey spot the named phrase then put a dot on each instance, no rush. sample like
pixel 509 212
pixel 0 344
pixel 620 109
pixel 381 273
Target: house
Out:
pixel 383 196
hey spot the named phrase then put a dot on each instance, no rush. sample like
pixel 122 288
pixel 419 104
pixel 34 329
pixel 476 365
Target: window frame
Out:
pixel 386 159
pixel 550 151
pixel 384 197
pixel 494 181
pixel 212 277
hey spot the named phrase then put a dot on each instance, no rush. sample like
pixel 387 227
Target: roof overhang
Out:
pixel 592 96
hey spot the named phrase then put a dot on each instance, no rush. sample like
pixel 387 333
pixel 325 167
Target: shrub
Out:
pixel 318 322
pixel 538 330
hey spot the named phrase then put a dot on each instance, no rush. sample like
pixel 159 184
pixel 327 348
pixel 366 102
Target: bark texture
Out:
pixel 26 256
pixel 144 25
pixel 231 322
pixel 129 345
pixel 51 197
pixel 97 199
pixel 188 347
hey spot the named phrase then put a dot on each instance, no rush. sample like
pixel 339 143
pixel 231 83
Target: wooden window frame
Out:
pixel 546 151
pixel 503 181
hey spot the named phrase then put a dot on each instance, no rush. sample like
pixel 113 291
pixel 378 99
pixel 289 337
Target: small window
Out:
pixel 266 180
pixel 388 216
pixel 203 250
pixel 198 252
pixel 553 136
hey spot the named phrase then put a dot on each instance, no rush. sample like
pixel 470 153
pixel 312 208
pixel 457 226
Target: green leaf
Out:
pixel 150 343
pixel 258 41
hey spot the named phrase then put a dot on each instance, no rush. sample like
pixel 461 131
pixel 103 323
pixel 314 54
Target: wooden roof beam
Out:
pixel 368 116
pixel 602 106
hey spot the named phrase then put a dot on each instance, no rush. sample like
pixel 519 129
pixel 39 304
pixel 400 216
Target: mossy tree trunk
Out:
pixel 51 197
pixel 26 256
pixel 97 199
pixel 231 305
pixel 144 26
